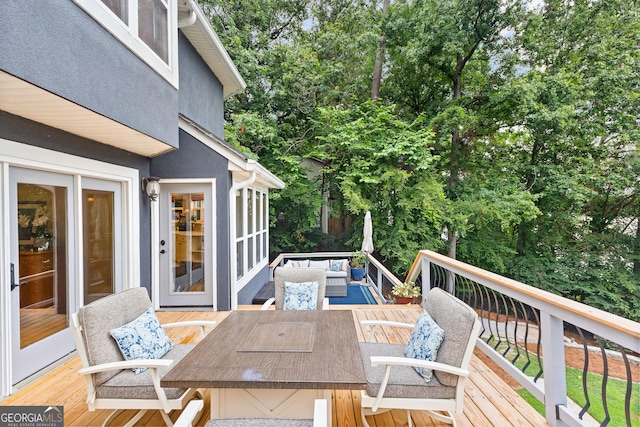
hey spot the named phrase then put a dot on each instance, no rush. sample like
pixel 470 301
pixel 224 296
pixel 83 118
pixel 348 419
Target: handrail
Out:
pixel 520 320
pixel 625 326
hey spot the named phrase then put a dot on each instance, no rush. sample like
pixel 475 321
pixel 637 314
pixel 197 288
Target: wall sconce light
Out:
pixel 151 187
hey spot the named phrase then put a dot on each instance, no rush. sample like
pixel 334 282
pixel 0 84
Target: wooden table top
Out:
pixel 276 349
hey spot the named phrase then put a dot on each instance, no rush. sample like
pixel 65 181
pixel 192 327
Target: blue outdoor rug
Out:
pixel 356 294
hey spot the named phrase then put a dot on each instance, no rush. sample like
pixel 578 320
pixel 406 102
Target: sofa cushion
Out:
pixel 142 338
pixel 320 264
pixel 337 274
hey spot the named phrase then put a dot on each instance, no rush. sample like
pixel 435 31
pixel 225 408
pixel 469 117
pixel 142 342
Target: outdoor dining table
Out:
pixel 273 363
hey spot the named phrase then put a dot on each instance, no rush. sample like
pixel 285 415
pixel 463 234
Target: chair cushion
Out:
pixel 424 343
pixel 261 422
pixel 142 338
pixel 99 317
pixel 457 320
pixel 404 381
pixel 300 296
pixel 127 385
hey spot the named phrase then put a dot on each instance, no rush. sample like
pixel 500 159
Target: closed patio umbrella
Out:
pixel 367 241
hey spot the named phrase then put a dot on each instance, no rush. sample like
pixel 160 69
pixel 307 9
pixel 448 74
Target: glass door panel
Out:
pixel 98 242
pixel 189 281
pixel 188 241
pixel 41 239
pixel 42 260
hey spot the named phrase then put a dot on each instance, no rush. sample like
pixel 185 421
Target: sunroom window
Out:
pixel 146 27
pixel 251 230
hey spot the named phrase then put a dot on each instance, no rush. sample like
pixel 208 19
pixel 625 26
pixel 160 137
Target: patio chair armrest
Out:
pixel 325 304
pixel 201 323
pixel 407 361
pixel 126 364
pixel 267 304
pixel 375 323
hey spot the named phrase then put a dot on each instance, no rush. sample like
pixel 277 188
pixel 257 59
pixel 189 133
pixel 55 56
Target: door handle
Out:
pixel 13 277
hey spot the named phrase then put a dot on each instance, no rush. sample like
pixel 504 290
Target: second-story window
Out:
pixel 146 27
pixel 152 26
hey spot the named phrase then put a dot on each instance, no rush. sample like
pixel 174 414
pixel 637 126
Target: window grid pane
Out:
pixel 153 26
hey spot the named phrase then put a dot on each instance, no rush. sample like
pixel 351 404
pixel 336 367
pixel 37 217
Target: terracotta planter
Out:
pixel 404 300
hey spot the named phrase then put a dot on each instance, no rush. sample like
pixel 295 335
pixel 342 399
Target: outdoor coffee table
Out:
pixel 273 363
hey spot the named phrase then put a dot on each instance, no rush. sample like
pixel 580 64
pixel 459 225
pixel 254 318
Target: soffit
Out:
pixel 34 103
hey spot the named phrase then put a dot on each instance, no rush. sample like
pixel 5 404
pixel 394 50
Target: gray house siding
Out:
pixel 55 45
pixel 196 160
pixel 18 129
pixel 200 97
pixel 246 294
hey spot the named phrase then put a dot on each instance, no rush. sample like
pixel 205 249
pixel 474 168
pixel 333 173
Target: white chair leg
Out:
pixel 409 420
pixel 364 419
pixel 166 418
pixel 111 416
pixel 135 418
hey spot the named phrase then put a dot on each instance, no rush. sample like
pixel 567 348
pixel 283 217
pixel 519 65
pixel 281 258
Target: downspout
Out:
pixel 189 20
pixel 232 236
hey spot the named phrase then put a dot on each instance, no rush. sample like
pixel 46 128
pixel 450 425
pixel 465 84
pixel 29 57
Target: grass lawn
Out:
pixel 615 393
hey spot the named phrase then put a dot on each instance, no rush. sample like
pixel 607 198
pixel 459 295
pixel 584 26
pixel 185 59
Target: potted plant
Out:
pixel 357 266
pixel 406 293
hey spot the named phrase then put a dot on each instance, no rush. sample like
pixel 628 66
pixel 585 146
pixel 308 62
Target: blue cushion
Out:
pixel 424 343
pixel 142 338
pixel 300 296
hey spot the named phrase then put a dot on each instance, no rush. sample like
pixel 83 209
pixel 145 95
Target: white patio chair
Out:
pixel 297 275
pixel 320 418
pixel 393 383
pixel 111 383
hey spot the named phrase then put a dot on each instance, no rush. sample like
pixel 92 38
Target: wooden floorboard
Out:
pixel 489 401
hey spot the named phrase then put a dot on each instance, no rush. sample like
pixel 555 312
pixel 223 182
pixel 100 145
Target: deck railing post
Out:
pixel 555 382
pixel 426 276
pixel 379 282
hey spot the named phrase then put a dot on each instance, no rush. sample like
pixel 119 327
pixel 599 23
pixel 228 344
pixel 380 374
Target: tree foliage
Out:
pixel 505 134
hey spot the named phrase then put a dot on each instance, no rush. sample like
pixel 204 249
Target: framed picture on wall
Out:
pixel 27 212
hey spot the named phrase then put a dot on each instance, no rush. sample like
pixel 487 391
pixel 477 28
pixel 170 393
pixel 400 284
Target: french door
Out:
pixel 186 245
pixel 42 250
pixel 49 279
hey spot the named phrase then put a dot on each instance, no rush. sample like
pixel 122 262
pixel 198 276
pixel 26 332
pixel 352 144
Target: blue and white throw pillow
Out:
pixel 337 265
pixel 300 296
pixel 142 338
pixel 424 343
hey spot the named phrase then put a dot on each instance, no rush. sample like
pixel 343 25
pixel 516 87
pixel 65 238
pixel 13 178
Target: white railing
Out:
pixel 522 320
pixel 376 274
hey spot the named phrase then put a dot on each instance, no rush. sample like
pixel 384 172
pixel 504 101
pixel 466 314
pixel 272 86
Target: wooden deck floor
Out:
pixel 489 401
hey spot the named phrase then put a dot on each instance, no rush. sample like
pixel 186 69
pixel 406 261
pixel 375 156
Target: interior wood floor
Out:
pixel 489 400
pixel 39 323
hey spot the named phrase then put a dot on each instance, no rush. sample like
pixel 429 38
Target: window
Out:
pixel 146 27
pixel 251 230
